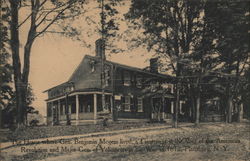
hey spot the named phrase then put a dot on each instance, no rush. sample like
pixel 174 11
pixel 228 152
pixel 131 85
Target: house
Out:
pixel 123 91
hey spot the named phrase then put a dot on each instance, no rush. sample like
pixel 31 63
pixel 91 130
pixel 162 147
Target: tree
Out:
pixel 6 91
pixel 172 29
pixel 42 15
pixel 230 21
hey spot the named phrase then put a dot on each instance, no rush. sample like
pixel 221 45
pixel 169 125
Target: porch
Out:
pixel 81 107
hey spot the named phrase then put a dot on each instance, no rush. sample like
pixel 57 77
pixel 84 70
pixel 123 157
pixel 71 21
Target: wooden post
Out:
pixel 47 117
pixel 163 108
pixel 172 107
pixel 77 109
pixel 112 106
pixel 95 108
pixel 59 111
pixel 52 114
pixel 67 110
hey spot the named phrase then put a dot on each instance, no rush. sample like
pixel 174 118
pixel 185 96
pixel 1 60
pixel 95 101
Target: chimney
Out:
pixel 154 65
pixel 100 48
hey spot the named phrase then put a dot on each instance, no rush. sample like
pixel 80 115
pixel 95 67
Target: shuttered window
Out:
pixel 127 79
pixel 140 104
pixel 127 103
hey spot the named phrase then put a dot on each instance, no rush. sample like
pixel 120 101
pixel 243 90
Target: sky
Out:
pixel 55 57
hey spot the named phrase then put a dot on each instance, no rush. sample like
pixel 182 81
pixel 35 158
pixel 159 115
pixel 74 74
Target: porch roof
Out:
pixel 158 95
pixel 85 91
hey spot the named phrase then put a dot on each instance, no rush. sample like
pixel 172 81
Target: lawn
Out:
pixel 210 141
pixel 63 130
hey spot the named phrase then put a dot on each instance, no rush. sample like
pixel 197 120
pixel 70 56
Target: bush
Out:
pixel 34 122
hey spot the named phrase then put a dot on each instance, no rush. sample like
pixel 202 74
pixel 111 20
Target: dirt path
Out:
pixel 209 142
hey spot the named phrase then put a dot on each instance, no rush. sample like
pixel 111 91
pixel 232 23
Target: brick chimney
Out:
pixel 154 65
pixel 100 48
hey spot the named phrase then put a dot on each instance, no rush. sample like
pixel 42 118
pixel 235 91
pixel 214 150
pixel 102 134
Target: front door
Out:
pixel 157 109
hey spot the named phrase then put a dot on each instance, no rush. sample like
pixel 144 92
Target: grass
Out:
pixel 208 131
pixel 63 130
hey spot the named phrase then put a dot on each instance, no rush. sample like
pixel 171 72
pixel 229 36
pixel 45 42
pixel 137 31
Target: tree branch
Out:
pixel 55 19
pixel 31 14
pixel 50 11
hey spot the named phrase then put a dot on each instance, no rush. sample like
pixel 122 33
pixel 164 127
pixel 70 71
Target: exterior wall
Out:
pixel 134 91
pixel 88 76
pixel 135 114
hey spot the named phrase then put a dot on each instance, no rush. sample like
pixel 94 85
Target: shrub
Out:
pixel 34 122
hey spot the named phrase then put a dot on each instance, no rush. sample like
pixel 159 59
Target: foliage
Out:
pixel 6 92
pixel 109 24
pixel 204 43
pixel 34 122
pixel 42 14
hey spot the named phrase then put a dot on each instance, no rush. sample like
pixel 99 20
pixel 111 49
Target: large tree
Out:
pixel 6 91
pixel 230 30
pixel 173 29
pixel 42 14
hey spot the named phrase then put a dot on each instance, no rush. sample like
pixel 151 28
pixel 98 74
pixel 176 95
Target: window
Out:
pixel 127 79
pixel 127 103
pixel 61 109
pixel 139 81
pixel 140 104
pixel 73 108
pixel 92 65
pixel 81 108
pixel 49 111
pixel 107 75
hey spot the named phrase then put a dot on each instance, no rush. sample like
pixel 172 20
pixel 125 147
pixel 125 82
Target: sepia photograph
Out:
pixel 125 80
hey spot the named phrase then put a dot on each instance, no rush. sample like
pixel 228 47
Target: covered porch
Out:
pixel 81 107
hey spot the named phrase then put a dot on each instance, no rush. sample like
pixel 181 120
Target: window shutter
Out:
pixel 123 103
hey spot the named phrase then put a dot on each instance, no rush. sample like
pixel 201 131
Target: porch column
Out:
pixel 59 110
pixel 111 105
pixel 181 102
pixel 47 112
pixel 77 109
pixel 95 108
pixel 172 107
pixel 52 114
pixel 163 108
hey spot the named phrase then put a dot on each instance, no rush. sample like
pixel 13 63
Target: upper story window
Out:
pixel 92 64
pixel 127 78
pixel 107 75
pixel 139 81
pixel 60 90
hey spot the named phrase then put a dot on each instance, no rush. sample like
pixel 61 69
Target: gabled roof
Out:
pixel 116 65
pixel 131 68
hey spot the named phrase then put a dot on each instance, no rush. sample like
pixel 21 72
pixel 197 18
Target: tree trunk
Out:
pixel 230 108
pixel 176 106
pixel 197 118
pixel 193 109
pixel 240 112
pixel 14 43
